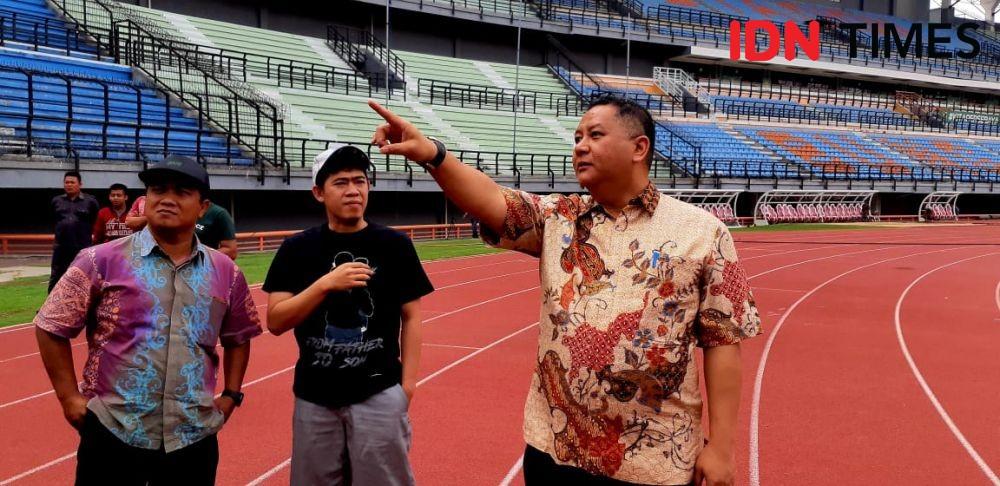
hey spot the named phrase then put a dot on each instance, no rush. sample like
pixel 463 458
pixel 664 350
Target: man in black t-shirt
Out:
pixel 351 290
pixel 75 213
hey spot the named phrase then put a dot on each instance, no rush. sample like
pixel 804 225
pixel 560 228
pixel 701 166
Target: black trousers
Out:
pixel 103 459
pixel 541 470
pixel 62 257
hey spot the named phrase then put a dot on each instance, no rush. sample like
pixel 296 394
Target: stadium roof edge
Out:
pixel 861 72
pixel 697 53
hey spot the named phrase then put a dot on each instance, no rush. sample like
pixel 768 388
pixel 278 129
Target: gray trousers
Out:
pixel 361 444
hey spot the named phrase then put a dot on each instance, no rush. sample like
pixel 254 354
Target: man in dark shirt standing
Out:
pixel 75 213
pixel 216 229
pixel 351 291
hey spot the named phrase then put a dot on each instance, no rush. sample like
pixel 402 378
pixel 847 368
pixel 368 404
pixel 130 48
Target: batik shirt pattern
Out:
pixel 152 329
pixel 625 301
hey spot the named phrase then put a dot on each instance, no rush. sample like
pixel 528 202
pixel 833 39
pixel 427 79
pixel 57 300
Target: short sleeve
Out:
pixel 138 207
pixel 65 310
pixel 225 224
pixel 414 283
pixel 524 224
pixel 727 313
pixel 282 275
pixel 242 322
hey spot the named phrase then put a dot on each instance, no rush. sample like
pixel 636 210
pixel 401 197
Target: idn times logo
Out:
pixel 933 40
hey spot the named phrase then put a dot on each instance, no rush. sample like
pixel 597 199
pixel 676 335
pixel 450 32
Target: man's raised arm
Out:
pixel 470 190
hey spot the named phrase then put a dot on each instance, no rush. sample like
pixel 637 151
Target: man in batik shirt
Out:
pixel 154 305
pixel 633 281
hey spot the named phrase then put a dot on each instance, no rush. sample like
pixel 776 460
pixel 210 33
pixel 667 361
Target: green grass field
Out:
pixel 20 298
pixel 255 265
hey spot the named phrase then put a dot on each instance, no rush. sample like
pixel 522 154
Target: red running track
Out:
pixel 876 366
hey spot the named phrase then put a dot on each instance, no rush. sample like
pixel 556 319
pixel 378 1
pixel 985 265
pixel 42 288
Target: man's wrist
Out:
pixel 235 396
pixel 68 395
pixel 723 445
pixel 438 158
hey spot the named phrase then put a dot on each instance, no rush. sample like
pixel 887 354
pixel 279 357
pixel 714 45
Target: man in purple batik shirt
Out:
pixel 154 305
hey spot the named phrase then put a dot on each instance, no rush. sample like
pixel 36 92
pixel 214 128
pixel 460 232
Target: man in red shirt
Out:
pixel 110 222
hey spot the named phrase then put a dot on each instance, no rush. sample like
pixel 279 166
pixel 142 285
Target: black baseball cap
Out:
pixel 338 157
pixel 177 167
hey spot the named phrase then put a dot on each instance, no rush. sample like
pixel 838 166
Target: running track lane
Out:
pixel 838 397
pixel 948 337
pixel 519 400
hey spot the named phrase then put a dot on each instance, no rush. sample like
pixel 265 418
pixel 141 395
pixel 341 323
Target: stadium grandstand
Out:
pixel 254 92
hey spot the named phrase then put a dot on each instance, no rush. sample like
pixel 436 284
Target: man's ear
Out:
pixel 642 149
pixel 318 193
pixel 205 203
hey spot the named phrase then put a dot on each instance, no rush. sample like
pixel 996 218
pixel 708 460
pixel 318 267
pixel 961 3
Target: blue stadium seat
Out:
pixel 722 154
pixel 107 115
pixel 31 22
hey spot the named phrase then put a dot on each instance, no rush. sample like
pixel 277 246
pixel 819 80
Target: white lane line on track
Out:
pixel 26 325
pixel 57 461
pixel 754 453
pixel 923 383
pixel 274 470
pixel 81 343
pixel 512 473
pixel 455 346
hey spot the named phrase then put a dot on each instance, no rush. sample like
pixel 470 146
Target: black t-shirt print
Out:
pixel 346 315
pixel 349 346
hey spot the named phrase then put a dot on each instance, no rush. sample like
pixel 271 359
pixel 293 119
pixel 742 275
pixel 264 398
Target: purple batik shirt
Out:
pixel 152 329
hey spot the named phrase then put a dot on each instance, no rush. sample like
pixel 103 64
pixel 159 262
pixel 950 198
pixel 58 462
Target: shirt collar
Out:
pixel 647 200
pixel 147 244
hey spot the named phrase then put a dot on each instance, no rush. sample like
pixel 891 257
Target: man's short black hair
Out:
pixel 333 169
pixel 118 186
pixel 339 158
pixel 73 173
pixel 632 113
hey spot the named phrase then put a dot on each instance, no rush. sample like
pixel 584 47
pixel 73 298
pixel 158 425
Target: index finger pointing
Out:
pixel 384 112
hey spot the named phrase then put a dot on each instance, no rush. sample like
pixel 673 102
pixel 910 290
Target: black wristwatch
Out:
pixel 235 395
pixel 438 158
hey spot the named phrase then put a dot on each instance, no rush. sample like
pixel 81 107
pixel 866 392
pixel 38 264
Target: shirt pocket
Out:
pixel 208 330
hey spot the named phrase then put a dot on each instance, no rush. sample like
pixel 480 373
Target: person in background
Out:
pixel 74 213
pixel 136 219
pixel 110 223
pixel 216 229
